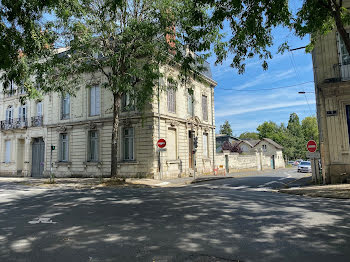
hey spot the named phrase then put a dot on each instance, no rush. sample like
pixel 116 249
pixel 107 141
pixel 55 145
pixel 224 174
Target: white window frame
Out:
pixel 264 148
pixel 62 141
pixel 65 106
pixel 9 114
pixel 8 147
pixel 131 145
pixel 94 100
pixel 93 157
pixel 205 108
pixel 127 102
pixel 39 108
pixel 190 105
pixel 22 113
pixel 171 98
pixel 344 59
pixel 205 145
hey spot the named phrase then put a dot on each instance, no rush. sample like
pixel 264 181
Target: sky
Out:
pixel 246 101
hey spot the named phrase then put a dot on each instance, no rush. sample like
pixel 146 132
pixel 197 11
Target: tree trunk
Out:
pixel 340 27
pixel 116 108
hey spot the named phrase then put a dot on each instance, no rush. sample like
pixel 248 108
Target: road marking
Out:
pixel 43 220
pixel 271 182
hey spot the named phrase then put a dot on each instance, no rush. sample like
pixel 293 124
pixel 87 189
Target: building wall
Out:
pixel 270 151
pixel 332 94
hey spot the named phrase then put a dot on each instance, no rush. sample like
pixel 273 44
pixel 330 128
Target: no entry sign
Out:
pixel 161 143
pixel 311 146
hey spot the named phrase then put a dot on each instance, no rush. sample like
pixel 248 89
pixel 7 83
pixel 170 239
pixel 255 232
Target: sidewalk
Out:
pixel 129 182
pixel 341 191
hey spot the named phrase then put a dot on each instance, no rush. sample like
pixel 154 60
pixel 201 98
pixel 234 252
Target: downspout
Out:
pixel 212 123
pixel 159 153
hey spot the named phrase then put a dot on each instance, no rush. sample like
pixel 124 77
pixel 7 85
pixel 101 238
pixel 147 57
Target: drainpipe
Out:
pixel 212 123
pixel 159 153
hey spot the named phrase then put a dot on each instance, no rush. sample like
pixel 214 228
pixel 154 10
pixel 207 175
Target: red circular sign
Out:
pixel 311 146
pixel 161 143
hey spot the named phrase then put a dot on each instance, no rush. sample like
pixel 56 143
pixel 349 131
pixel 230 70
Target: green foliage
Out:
pixel 249 135
pixel 226 128
pixel 294 137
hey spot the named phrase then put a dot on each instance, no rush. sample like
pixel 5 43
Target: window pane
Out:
pixel 92 101
pixel 97 102
pixel 8 151
pixel 128 144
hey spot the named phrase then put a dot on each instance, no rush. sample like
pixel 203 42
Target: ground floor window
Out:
pixel 128 143
pixel 205 145
pixel 64 147
pixel 348 118
pixel 171 144
pixel 93 146
pixel 7 151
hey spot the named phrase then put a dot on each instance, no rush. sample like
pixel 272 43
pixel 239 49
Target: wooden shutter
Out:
pixel 97 101
pixel 205 108
pixel 39 109
pixel 8 151
pixel 171 144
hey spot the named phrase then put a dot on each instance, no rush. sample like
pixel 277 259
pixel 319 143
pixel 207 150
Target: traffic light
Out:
pixel 195 142
pixel 53 147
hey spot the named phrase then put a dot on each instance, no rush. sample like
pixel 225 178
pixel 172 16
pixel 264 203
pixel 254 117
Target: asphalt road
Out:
pixel 224 220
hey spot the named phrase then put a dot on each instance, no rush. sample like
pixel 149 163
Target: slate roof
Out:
pixel 251 142
pixel 273 143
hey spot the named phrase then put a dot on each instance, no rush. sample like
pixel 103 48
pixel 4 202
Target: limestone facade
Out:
pixel 76 133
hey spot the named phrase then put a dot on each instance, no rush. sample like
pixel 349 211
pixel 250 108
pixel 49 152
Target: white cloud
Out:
pixel 238 110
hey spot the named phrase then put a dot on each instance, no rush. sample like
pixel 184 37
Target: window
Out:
pixel 205 107
pixel 190 104
pixel 39 109
pixel 64 147
pixel 94 101
pixel 205 145
pixel 171 144
pixel 127 102
pixel 348 119
pixel 7 151
pixel 93 146
pixel 344 55
pixel 22 113
pixel 171 95
pixel 128 143
pixel 9 114
pixel 65 106
pixel 264 148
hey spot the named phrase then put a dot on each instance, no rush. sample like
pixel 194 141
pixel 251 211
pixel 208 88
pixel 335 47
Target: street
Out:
pixel 234 219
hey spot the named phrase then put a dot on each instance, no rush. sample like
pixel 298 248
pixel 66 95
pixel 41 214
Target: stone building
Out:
pixel 79 130
pixel 21 134
pixel 331 63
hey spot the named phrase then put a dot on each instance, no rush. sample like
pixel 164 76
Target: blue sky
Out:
pixel 245 109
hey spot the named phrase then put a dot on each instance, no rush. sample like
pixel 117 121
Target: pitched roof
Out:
pixel 251 142
pixel 278 146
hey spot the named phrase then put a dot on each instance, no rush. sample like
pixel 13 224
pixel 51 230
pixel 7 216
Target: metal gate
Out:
pixel 38 153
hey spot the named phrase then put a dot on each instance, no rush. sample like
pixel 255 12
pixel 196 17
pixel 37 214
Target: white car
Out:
pixel 304 166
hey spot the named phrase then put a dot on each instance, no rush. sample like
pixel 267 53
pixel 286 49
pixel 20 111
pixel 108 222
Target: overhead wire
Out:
pixel 264 89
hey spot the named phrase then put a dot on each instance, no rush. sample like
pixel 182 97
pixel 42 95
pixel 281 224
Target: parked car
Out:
pixel 304 166
pixel 290 163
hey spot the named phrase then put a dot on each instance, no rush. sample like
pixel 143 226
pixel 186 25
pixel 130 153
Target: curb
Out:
pixel 208 179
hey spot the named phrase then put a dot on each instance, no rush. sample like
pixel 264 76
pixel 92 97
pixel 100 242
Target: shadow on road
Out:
pixel 184 224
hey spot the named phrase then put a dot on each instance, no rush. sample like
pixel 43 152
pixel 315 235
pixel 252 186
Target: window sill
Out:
pixel 92 163
pixel 63 163
pixel 129 162
pixel 177 161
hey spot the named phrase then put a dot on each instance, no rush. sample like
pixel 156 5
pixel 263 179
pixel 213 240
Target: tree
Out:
pixel 310 128
pixel 225 128
pixel 124 44
pixel 249 135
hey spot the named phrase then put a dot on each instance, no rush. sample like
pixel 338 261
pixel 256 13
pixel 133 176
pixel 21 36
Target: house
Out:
pixel 272 150
pixel 71 136
pixel 221 138
pixel 247 144
pixel 331 63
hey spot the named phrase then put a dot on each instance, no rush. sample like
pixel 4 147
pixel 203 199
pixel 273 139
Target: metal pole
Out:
pixel 159 153
pixel 51 163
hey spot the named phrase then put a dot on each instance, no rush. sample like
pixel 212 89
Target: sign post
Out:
pixel 161 143
pixel 314 157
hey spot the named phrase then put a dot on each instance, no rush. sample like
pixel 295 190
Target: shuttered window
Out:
pixel 39 109
pixel 93 146
pixel 94 101
pixel 171 98
pixel 128 143
pixel 190 107
pixel 65 107
pixel 64 147
pixel 205 145
pixel 7 151
pixel 171 144
pixel 22 113
pixel 9 114
pixel 205 107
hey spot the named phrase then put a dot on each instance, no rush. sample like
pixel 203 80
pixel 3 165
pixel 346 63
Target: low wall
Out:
pixel 241 162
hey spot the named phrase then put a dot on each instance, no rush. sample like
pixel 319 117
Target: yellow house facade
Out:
pixel 331 64
pixel 73 138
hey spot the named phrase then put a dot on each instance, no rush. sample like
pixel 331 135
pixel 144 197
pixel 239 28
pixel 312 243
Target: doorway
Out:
pixel 273 162
pixel 38 154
